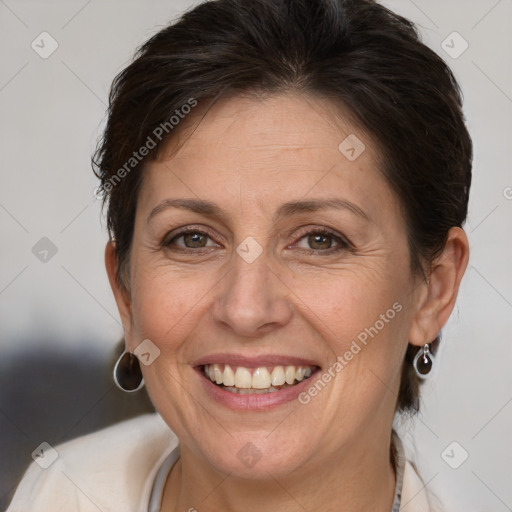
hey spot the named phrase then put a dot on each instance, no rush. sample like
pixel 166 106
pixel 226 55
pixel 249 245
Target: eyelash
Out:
pixel 343 244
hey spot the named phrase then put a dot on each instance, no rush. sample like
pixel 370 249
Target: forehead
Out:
pixel 262 150
pixel 291 122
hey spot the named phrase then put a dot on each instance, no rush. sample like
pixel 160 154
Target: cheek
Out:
pixel 345 304
pixel 163 304
pixel 363 322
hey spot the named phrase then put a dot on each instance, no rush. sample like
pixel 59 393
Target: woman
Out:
pixel 286 185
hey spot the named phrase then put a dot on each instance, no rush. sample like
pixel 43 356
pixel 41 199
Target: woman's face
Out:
pixel 296 256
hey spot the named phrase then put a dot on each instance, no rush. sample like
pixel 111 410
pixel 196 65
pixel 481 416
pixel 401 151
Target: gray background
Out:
pixel 59 323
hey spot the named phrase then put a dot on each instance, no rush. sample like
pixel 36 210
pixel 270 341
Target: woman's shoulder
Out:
pixel 414 493
pixel 109 469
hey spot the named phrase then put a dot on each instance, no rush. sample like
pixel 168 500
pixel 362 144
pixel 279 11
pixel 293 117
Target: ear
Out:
pixel 121 294
pixel 438 295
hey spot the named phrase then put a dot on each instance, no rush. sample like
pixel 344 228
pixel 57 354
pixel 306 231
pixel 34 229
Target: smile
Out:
pixel 260 380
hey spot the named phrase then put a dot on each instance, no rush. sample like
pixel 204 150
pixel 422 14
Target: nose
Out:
pixel 252 299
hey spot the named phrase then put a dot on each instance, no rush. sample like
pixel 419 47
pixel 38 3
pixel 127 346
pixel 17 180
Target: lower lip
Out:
pixel 254 401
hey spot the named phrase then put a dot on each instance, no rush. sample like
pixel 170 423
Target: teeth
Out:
pixel 271 389
pixel 289 374
pixel 243 378
pixel 261 380
pixel 217 374
pixel 278 377
pixel 228 378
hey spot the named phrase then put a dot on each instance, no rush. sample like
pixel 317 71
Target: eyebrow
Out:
pixel 285 210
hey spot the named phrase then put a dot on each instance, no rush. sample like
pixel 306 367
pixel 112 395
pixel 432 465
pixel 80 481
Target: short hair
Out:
pixel 354 52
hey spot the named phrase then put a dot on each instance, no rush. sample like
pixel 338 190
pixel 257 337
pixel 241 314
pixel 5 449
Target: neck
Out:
pixel 360 477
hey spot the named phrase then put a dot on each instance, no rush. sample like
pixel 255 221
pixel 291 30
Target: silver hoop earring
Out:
pixel 127 374
pixel 423 362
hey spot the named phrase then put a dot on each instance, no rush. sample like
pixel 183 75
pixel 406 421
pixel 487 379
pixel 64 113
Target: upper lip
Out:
pixel 254 361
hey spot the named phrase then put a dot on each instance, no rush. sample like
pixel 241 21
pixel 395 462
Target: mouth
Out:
pixel 244 380
pixel 255 382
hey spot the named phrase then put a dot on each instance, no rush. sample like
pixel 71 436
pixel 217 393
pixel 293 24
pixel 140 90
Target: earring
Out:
pixel 127 374
pixel 423 362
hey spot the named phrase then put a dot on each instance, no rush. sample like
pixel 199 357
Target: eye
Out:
pixel 322 240
pixel 191 239
pixel 316 241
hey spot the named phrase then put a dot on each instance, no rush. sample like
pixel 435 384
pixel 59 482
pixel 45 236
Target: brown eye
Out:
pixel 320 241
pixel 190 240
pixel 194 240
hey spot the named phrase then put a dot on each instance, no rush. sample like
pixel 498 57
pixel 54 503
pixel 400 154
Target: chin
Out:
pixel 258 457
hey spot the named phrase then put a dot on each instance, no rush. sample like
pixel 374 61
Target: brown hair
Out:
pixel 356 52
